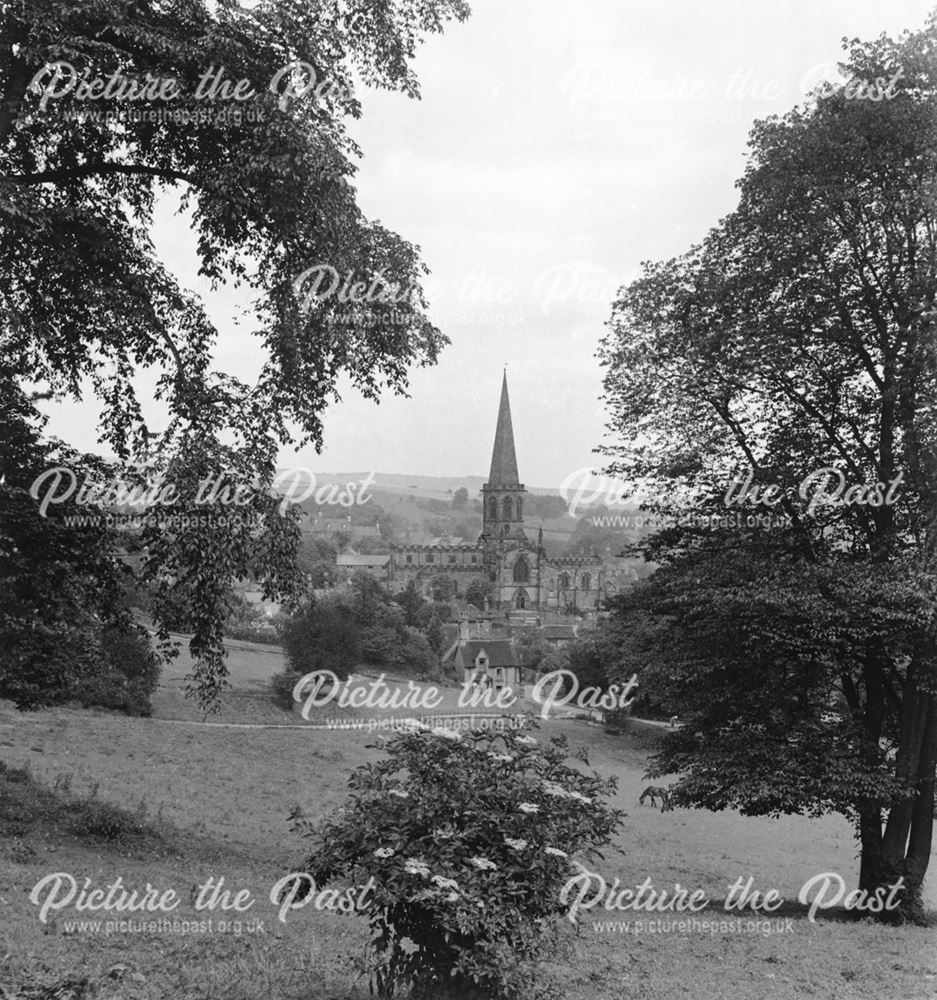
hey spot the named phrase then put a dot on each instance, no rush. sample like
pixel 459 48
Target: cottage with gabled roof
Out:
pixel 487 663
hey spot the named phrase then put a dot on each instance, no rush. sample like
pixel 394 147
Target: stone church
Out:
pixel 520 573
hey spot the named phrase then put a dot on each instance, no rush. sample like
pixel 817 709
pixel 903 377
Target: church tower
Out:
pixel 503 494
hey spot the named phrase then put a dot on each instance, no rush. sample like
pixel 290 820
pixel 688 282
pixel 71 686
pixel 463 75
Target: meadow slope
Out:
pixel 213 800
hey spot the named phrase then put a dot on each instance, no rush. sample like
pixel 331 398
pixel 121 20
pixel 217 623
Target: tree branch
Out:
pixel 93 169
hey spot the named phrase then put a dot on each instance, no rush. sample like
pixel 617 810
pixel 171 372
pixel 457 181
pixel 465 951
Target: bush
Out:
pixel 323 635
pixel 283 684
pixel 104 821
pixel 248 622
pixel 129 674
pixel 476 593
pixel 468 837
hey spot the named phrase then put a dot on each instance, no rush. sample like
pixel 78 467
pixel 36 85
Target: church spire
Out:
pixel 503 494
pixel 503 459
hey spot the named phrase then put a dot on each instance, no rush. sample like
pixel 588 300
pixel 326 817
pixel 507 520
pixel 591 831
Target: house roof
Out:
pixel 500 652
pixel 356 560
pixel 473 613
pixel 559 632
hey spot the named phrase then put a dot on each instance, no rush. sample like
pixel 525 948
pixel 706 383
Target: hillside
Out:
pixel 416 509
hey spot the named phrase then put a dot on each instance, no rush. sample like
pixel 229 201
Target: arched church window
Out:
pixel 551 583
pixel 507 509
pixel 564 581
pixel 492 509
pixel 586 581
pixel 520 508
pixel 521 570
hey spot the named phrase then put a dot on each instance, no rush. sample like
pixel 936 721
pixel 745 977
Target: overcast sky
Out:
pixel 555 147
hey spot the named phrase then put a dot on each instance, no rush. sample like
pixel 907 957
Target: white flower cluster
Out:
pixel 529 807
pixel 447 734
pixel 483 864
pixel 555 851
pixel 445 883
pixel 527 741
pixel 443 834
pixel 399 792
pixel 558 792
pixel 500 756
pixel 518 845
pixel 384 852
pixel 416 866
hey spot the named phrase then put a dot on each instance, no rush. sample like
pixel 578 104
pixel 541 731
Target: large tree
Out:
pixel 800 337
pixel 86 305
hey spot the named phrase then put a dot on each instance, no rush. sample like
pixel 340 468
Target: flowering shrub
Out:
pixel 468 837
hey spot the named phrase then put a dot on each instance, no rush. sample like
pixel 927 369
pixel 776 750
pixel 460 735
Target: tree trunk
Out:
pixel 870 813
pixel 908 834
pixel 870 842
pixel 922 818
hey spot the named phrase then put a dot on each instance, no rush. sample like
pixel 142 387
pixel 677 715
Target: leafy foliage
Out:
pixel 763 662
pixel 796 345
pixel 442 587
pixel 248 622
pixel 66 632
pixel 86 304
pixel 316 560
pixel 469 839
pixel 128 674
pixel 477 592
pixel 323 635
pixel 366 626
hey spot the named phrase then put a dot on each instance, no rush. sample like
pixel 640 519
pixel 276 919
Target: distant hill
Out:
pixel 434 486
pixel 420 509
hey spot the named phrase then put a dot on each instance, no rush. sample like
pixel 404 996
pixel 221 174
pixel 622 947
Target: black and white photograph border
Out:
pixel 468 499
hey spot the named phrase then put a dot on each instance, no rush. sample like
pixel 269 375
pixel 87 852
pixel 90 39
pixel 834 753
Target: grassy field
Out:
pixel 208 801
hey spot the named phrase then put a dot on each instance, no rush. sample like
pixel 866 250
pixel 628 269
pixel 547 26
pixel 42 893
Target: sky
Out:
pixel 555 148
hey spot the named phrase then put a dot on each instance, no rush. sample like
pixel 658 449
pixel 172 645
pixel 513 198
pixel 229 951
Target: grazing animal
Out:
pixel 654 792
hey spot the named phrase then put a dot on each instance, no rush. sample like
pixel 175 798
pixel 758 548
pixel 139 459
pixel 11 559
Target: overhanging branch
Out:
pixel 96 169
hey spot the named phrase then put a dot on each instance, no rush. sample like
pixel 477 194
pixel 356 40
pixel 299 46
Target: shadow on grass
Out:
pixel 31 812
pixel 833 915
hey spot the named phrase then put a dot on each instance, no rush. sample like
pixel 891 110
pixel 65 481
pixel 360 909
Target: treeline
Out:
pixel 363 626
pixel 66 628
